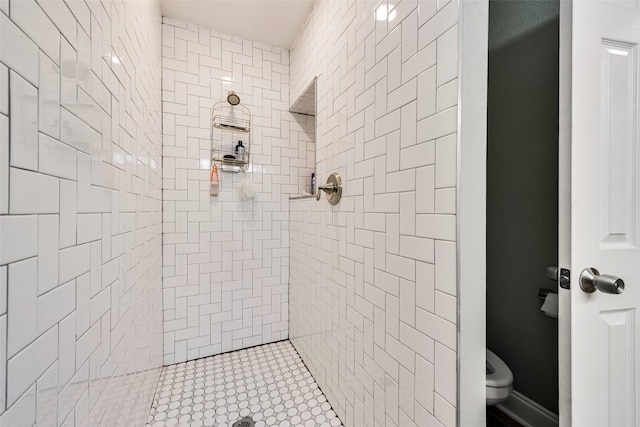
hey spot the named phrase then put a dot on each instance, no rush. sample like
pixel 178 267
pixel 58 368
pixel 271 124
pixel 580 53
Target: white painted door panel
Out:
pixel 605 212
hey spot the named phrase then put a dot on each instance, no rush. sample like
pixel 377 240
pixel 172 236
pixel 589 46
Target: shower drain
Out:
pixel 244 422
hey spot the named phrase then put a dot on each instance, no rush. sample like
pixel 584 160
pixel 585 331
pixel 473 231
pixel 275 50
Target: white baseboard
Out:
pixel 527 412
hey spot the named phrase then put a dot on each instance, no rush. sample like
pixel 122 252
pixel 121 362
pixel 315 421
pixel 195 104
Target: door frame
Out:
pixel 564 211
pixel 473 45
pixel 473 48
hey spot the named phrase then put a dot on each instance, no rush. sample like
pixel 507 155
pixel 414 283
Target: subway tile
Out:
pixel 446 306
pixel 89 227
pixel 408 128
pixel 440 330
pixel 83 306
pixel 445 200
pixel 74 261
pixel 84 63
pixel 436 25
pixel 33 193
pixel 68 76
pixel 68 217
pixel 330 236
pixel 423 60
pixel 410 35
pixel 49 97
pixel 406 396
pixel 391 400
pixel 17 51
pixel 402 95
pixel 67 353
pixel 4 89
pixel 417 248
pixel 50 48
pixel 427 94
pixel 444 411
pixel 3 290
pixel 55 305
pixel 417 341
pixel 387 282
pixel 22 302
pixel 425 286
pixel 18 238
pixel 447 66
pixel 3 357
pixel 447 95
pixel 446 162
pixel 81 12
pixel 436 226
pixel 23 411
pixel 47 397
pixel 446 361
pixel 425 377
pixel 427 116
pixel 79 134
pixel 28 15
pixel 4 164
pixel 24 368
pixel 400 352
pixel 401 181
pixel 445 274
pixel 72 392
pixel 425 178
pixel 24 123
pixel 48 232
pixel 56 158
pixel 394 80
pixel 62 17
pixel 408 213
pixel 401 266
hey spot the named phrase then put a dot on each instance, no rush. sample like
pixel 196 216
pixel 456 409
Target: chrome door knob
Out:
pixel 591 280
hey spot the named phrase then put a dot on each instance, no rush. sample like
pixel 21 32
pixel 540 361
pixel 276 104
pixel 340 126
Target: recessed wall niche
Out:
pixel 306 102
pixel 305 109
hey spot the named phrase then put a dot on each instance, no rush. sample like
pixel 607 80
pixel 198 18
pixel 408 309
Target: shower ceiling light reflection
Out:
pixel 386 12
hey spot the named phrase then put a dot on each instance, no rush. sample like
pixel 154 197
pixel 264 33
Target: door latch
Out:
pixel 565 278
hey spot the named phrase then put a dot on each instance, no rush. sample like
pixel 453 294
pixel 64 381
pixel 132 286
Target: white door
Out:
pixel 605 211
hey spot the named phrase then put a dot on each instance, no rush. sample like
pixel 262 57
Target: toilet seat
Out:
pixel 499 379
pixel 501 375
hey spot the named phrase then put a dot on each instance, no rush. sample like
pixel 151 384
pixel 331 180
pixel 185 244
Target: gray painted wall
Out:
pixel 522 196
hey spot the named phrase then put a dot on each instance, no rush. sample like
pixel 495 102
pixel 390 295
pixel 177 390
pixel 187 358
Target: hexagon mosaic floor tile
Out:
pixel 270 384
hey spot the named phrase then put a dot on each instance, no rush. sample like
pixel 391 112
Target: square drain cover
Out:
pixel 244 422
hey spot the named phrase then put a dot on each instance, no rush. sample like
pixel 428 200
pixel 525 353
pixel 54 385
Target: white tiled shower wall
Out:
pixel 80 211
pixel 373 279
pixel 226 261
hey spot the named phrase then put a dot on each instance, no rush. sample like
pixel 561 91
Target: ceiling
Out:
pixel 275 22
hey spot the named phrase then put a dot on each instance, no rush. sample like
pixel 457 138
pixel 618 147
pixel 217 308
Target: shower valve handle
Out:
pixel 333 188
pixel 327 188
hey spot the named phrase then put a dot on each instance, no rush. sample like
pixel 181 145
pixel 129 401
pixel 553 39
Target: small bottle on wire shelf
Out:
pixel 240 152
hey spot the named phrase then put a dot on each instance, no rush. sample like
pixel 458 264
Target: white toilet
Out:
pixel 499 379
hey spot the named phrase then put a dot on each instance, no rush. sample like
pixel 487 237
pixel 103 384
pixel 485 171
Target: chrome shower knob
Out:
pixel 333 188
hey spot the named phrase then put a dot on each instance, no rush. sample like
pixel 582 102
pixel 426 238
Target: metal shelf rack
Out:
pixel 230 124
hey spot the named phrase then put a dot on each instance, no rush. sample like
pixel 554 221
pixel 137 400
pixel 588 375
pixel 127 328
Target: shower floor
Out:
pixel 270 383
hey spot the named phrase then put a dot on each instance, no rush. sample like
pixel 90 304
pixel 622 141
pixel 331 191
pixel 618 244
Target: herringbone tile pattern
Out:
pixel 226 261
pixel 80 211
pixel 373 279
